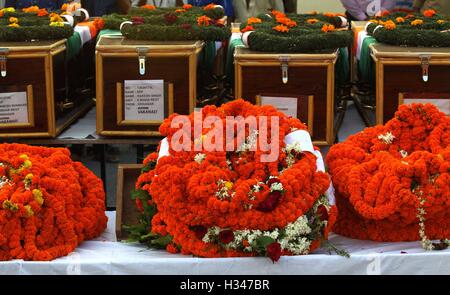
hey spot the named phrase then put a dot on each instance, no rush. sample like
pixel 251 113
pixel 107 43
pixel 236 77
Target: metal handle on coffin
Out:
pixel 425 64
pixel 284 60
pixel 142 52
pixel 3 59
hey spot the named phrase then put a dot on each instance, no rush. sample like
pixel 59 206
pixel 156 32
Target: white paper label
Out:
pixel 144 100
pixel 14 108
pixel 287 105
pixel 443 104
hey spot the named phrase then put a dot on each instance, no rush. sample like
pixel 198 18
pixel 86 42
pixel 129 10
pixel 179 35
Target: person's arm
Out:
pixel 418 4
pixel 354 9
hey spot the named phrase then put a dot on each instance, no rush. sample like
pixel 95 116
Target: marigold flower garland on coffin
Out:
pixel 405 29
pixel 279 32
pixel 48 204
pixel 393 181
pixel 33 23
pixel 223 204
pixel 171 24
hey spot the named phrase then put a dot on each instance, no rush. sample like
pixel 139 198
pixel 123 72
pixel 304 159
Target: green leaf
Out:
pixel 139 194
pixel 264 241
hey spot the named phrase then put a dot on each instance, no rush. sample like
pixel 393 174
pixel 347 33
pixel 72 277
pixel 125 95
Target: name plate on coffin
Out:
pixel 14 109
pixel 287 105
pixel 301 107
pixel 442 102
pixel 144 100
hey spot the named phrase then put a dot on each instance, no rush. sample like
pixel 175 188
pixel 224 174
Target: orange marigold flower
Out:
pixel 203 21
pixel 42 12
pixel 64 7
pixel 31 9
pixel 277 13
pixel 281 29
pixel 15 25
pixel 286 21
pixel 254 20
pixel 329 14
pixel 400 20
pixel 312 21
pixel 417 22
pixel 247 29
pixel 429 12
pixel 14 20
pixel 390 25
pixel 187 6
pixel 180 10
pixel 328 28
pixel 148 6
pixel 209 6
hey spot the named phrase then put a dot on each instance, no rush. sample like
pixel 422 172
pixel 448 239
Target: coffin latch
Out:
pixel 425 63
pixel 3 60
pixel 284 60
pixel 142 53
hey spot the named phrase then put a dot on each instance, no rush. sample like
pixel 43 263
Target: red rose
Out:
pixel 272 181
pixel 170 18
pixel 226 236
pixel 200 231
pixel 139 205
pixel 186 26
pixel 137 20
pixel 269 204
pixel 274 251
pixel 322 212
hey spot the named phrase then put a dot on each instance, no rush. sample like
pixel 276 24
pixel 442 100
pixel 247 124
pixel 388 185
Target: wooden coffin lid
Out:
pixel 242 53
pixel 118 43
pixel 380 50
pixel 35 46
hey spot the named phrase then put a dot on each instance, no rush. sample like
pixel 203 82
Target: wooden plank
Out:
pixel 126 212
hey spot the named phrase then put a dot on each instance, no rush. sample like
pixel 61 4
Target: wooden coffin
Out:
pixel 304 79
pixel 120 61
pixel 126 212
pixel 410 74
pixel 33 90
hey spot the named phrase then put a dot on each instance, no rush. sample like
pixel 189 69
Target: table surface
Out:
pixel 83 131
pixel 105 255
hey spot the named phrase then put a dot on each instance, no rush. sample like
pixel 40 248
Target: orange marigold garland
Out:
pixel 49 204
pixel 227 204
pixel 393 181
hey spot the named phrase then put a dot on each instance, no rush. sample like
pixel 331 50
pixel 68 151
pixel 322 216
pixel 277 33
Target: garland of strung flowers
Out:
pixel 393 181
pixel 34 23
pixel 48 204
pixel 227 204
pixel 405 29
pixel 171 24
pixel 278 32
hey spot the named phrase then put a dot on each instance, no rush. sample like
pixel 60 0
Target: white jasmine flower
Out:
pixel 276 187
pixel 199 158
pixel 387 138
